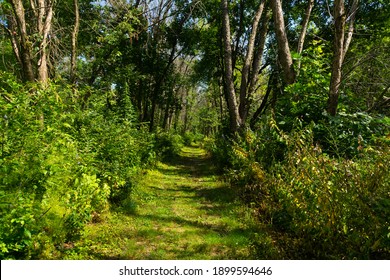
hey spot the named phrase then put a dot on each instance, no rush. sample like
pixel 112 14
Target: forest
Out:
pixel 201 129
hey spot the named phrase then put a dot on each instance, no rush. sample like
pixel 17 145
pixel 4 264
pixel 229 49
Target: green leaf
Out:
pixel 27 233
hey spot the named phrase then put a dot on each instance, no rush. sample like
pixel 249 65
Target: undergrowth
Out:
pixel 310 204
pixel 63 164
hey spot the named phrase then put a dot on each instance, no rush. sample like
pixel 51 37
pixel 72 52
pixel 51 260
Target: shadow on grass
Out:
pixel 214 213
pixel 189 164
pixel 215 242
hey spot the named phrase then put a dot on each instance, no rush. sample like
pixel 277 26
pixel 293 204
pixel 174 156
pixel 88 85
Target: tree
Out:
pixel 366 68
pixel 341 45
pixel 251 62
pixel 305 24
pixel 235 120
pixel 75 33
pixel 284 53
pixel 29 27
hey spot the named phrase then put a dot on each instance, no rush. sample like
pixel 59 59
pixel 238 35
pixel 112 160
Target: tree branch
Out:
pixel 14 43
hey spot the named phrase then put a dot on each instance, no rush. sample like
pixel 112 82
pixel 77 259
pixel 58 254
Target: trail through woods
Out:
pixel 180 210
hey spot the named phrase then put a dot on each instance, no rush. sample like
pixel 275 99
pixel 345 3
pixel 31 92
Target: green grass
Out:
pixel 179 211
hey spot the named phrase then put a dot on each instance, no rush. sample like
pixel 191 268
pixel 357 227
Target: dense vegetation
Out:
pixel 291 98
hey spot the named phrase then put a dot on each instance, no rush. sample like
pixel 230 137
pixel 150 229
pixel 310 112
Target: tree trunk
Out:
pixel 243 109
pixel 338 55
pixel 45 16
pixel 153 109
pixel 260 110
pixel 256 67
pixel 10 29
pixel 283 47
pixel 235 121
pixel 240 31
pixel 351 22
pixel 305 24
pixel 24 43
pixel 35 32
pixel 75 33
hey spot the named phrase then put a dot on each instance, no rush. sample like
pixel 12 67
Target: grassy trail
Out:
pixel 179 211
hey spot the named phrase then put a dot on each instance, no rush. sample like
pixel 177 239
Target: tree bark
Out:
pixel 257 65
pixel 45 16
pixel 305 24
pixel 75 33
pixel 338 56
pixel 235 120
pixel 23 37
pixel 351 22
pixel 24 43
pixel 248 63
pixel 283 47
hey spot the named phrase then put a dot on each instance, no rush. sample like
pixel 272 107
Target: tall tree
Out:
pixel 235 120
pixel 305 24
pixel 249 60
pixel 29 27
pixel 250 52
pixel 75 33
pixel 17 30
pixel 340 48
pixel 284 53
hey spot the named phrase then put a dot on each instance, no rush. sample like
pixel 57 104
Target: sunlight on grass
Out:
pixel 180 211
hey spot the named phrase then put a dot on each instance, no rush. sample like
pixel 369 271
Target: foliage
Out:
pixel 18 224
pixel 306 99
pixel 311 205
pixel 60 165
pixel 73 147
pixel 266 145
pixel 342 135
pixel 346 135
pixel 190 138
pixel 168 145
pixel 330 208
pixel 221 150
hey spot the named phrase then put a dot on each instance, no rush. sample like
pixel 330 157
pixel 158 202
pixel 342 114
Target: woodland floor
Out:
pixel 180 210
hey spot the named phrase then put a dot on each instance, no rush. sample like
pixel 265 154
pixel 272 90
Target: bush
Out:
pixel 329 208
pixel 168 145
pixel 17 225
pixel 60 165
pixel 190 138
pixel 345 135
pixel 221 151
pixel 311 205
pixel 266 145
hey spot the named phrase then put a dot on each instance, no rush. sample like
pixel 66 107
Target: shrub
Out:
pixel 17 225
pixel 266 146
pixel 221 151
pixel 345 135
pixel 310 204
pixel 313 205
pixel 60 165
pixel 190 138
pixel 85 197
pixel 168 145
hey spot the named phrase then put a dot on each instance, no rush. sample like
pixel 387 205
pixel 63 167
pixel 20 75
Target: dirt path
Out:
pixel 180 211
